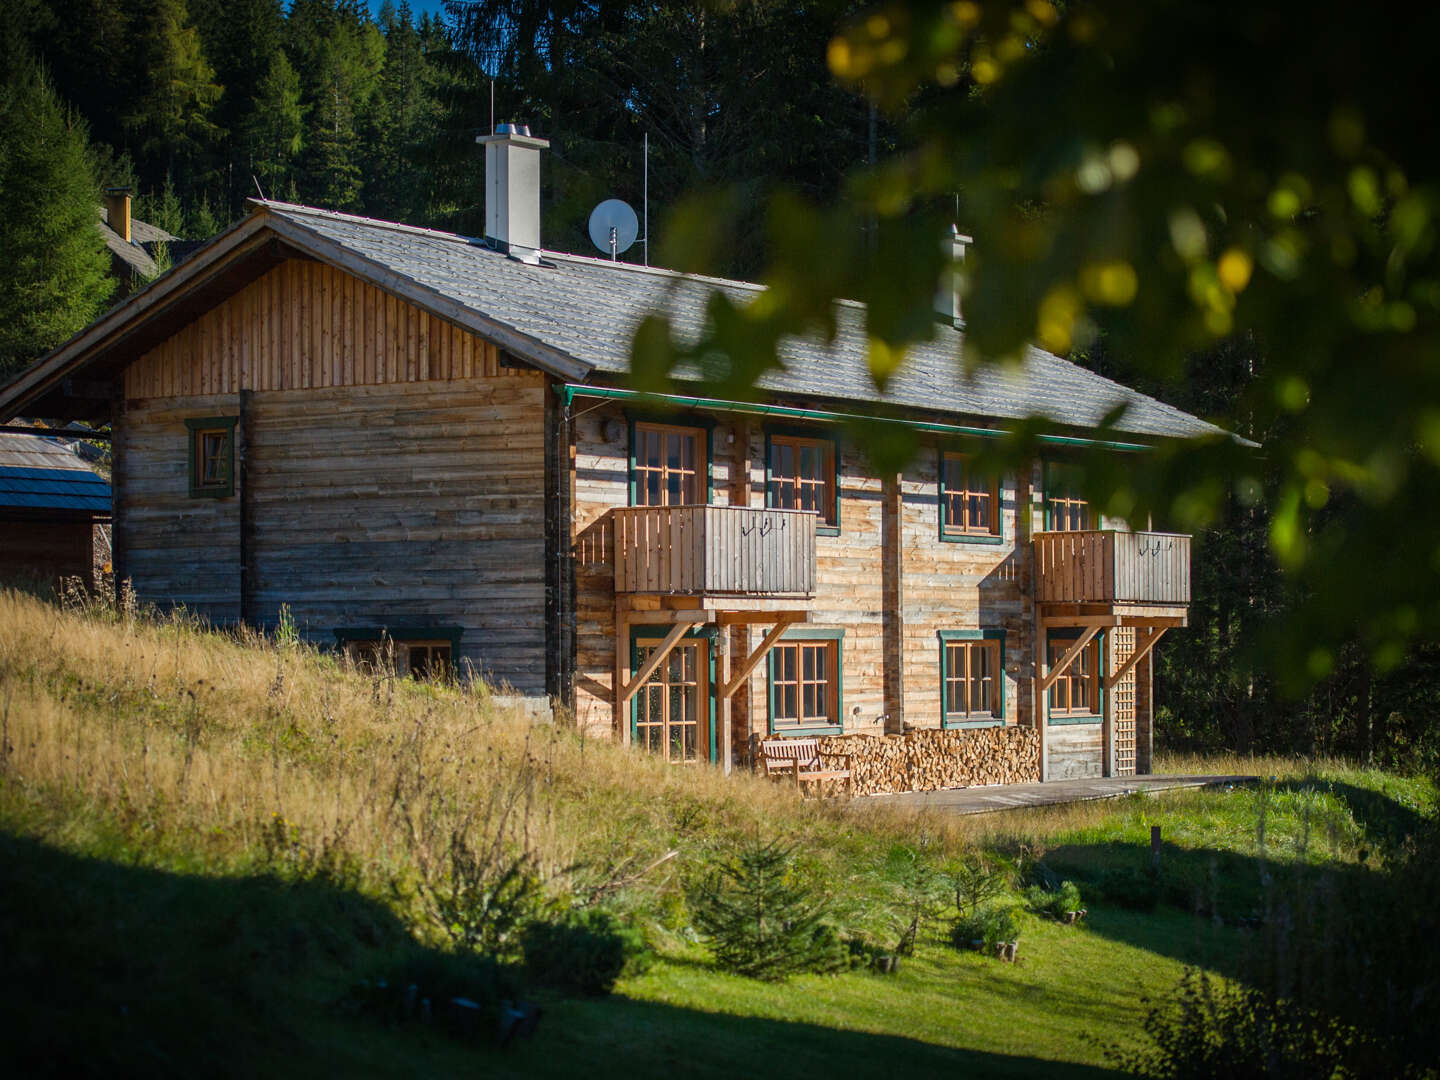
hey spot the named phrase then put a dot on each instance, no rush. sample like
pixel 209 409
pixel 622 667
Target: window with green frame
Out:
pixel 800 474
pixel 1076 697
pixel 972 678
pixel 969 500
pixel 1066 508
pixel 211 456
pixel 805 683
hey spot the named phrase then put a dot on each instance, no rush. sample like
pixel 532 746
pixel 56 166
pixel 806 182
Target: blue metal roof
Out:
pixel 53 489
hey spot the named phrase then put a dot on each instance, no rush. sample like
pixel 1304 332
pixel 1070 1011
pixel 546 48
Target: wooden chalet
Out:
pixel 426 442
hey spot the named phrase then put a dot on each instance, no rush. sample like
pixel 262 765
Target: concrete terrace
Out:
pixel 986 800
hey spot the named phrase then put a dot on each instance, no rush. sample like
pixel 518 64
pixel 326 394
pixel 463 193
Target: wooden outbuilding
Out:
pixel 427 442
pixel 52 507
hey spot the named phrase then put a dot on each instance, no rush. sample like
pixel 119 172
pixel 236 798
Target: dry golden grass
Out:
pixel 240 753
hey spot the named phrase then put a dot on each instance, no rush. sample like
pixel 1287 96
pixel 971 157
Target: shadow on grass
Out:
pixel 115 970
pixel 1386 822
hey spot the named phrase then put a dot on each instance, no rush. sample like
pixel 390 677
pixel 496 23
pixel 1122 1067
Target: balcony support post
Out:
pixel 1142 648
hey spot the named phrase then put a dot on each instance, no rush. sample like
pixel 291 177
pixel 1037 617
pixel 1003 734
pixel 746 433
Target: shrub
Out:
pixel 1208 1028
pixel 761 920
pixel 1130 888
pixel 1054 903
pixel 988 925
pixel 583 953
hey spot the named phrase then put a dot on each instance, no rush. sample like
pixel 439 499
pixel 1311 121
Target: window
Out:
pixel 212 457
pixel 670 467
pixel 972 677
pixel 1065 509
pixel 805 684
pixel 969 501
pixel 420 652
pixel 801 476
pixel 1076 693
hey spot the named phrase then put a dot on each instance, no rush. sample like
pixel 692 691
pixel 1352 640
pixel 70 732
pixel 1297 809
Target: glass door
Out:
pixel 672 709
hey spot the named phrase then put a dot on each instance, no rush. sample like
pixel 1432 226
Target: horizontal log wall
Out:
pixel 1074 751
pixel 936 760
pixel 956 585
pixel 375 496
pixel 176 550
pixel 46 549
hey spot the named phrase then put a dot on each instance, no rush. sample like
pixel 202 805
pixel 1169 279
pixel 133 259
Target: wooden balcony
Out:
pixel 1112 568
pixel 715 551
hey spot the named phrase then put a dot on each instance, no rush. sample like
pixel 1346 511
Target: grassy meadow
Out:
pixel 207 842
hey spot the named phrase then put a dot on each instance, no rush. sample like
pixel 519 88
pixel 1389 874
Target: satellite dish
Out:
pixel 613 226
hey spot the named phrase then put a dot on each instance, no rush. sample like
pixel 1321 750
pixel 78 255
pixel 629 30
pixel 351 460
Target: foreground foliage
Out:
pixel 301 852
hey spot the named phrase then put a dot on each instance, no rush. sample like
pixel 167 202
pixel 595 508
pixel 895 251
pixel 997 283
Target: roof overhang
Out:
pixel 75 381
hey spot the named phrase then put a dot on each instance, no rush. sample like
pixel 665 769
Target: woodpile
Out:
pixel 932 760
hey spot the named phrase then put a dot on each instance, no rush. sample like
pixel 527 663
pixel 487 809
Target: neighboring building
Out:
pixel 51 506
pixel 412 436
pixel 139 251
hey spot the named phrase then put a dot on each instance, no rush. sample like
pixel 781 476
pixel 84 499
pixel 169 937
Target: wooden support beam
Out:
pixel 1099 621
pixel 622 649
pixel 766 644
pixel 656 658
pixel 1140 650
pixel 758 618
pixel 722 671
pixel 1068 659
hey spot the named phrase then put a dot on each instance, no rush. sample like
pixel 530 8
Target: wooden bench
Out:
pixel 800 758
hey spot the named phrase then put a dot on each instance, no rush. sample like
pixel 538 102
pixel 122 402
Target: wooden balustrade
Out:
pixel 717 550
pixel 1112 568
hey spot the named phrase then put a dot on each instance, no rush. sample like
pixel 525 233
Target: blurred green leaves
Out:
pixel 1166 176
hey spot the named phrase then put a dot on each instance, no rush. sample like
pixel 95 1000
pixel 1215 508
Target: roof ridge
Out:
pixel 380 223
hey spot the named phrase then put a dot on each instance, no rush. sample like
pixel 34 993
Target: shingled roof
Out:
pixel 574 316
pixel 42 473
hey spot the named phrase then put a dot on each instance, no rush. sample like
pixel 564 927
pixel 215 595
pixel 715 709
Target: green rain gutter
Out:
pixel 570 391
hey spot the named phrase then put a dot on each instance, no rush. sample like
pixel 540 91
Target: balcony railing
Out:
pixel 1112 568
pixel 721 550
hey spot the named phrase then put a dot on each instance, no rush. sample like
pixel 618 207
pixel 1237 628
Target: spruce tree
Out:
pixel 761 919
pixel 53 277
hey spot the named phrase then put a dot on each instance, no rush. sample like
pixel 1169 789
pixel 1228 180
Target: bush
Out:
pixel 987 925
pixel 761 920
pixel 1130 888
pixel 1055 904
pixel 583 953
pixel 1208 1028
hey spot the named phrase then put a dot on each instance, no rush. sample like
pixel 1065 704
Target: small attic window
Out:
pixel 212 457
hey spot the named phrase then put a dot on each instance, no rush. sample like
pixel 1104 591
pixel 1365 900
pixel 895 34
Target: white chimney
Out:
pixel 947 298
pixel 512 190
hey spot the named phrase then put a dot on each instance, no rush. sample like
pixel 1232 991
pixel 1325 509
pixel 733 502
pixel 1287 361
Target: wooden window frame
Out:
pixel 1062 491
pixel 829 523
pixel 1057 642
pixel 964 533
pixel 348 638
pixel 993 640
pixel 196 429
pixel 834 643
pixel 704 432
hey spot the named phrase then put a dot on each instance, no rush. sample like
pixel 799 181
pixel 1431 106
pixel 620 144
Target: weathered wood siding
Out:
pixel 957 585
pixel 945 586
pixel 47 549
pixel 177 550
pixel 308 325
pixel 1074 751
pixel 372 496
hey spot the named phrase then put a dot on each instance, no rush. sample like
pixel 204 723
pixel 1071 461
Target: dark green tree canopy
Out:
pixel 54 280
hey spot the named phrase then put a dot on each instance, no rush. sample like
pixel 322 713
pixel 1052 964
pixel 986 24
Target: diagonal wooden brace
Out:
pixel 1141 648
pixel 655 659
pixel 766 644
pixel 1069 658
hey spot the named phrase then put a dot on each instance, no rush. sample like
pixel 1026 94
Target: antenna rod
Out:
pixel 646 240
pixel 492 106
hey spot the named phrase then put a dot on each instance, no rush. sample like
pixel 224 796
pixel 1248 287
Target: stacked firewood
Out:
pixel 932 760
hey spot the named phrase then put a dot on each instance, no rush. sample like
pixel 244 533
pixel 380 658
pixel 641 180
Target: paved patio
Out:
pixel 985 800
